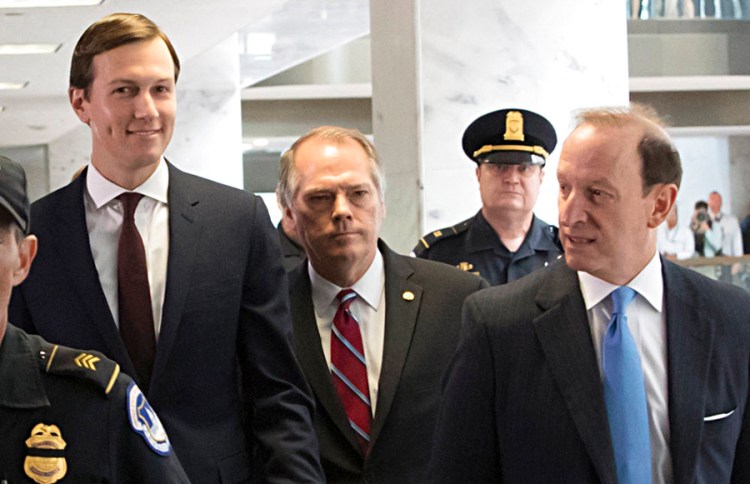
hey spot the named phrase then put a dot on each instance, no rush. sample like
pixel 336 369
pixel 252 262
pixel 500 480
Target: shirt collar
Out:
pixel 369 287
pixel 648 283
pixel 19 372
pixel 103 191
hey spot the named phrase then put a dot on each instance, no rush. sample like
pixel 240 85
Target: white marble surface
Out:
pixel 208 134
pixel 546 56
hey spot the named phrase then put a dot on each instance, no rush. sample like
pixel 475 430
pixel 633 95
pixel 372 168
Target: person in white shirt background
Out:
pixel 675 242
pixel 731 236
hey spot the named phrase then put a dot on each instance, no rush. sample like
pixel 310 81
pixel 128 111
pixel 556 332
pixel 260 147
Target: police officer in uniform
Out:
pixel 504 240
pixel 65 415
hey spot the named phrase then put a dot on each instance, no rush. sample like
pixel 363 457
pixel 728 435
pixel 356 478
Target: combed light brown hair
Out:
pixel 288 183
pixel 660 158
pixel 108 33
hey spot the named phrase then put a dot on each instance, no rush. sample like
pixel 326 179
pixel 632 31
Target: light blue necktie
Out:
pixel 625 395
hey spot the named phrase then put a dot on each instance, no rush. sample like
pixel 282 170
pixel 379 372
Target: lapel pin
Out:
pixel 408 296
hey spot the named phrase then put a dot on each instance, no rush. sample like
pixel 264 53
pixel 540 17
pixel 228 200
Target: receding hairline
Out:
pixel 645 117
pixel 288 181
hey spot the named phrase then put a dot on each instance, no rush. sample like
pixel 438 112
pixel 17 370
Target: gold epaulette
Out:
pixel 429 239
pixel 91 366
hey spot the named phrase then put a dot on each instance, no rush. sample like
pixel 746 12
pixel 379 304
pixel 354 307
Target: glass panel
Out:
pixel 656 9
pixel 731 269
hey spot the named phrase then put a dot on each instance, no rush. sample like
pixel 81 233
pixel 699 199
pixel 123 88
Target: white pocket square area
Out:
pixel 718 416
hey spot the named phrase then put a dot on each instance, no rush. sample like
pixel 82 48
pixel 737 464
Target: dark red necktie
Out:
pixel 134 294
pixel 348 368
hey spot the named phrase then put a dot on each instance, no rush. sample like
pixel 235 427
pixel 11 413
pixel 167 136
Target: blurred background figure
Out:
pixel 675 242
pixel 728 226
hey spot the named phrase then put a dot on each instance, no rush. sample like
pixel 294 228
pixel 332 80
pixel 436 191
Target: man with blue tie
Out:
pixel 613 365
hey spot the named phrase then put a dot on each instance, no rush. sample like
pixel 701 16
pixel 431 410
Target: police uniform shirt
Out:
pixel 70 416
pixel 473 246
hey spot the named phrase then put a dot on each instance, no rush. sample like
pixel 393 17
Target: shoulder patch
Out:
pixel 430 239
pixel 144 422
pixel 88 365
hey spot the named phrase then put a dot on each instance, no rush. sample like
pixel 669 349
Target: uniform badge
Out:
pixel 45 459
pixel 465 266
pixel 145 423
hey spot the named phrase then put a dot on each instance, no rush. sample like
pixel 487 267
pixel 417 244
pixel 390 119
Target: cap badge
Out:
pixel 513 126
pixel 45 460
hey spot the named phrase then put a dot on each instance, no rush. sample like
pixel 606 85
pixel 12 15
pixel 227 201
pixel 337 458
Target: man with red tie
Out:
pixel 374 330
pixel 175 277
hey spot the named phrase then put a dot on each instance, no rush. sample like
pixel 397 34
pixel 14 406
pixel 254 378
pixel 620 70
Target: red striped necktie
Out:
pixel 349 370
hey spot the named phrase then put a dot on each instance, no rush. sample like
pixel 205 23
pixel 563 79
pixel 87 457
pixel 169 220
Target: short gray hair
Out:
pixel 288 182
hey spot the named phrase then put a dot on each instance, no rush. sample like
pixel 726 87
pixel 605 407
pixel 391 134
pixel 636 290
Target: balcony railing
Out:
pixel 731 269
pixel 688 9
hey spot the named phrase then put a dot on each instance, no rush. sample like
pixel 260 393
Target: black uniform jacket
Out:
pixel 473 246
pixel 70 415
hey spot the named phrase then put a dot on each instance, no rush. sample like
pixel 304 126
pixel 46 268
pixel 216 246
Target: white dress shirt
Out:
pixel 679 241
pixel 731 235
pixel 368 309
pixel 647 324
pixel 104 214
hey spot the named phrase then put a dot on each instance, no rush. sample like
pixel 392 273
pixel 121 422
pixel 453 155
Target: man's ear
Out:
pixel 664 197
pixel 78 101
pixel 26 253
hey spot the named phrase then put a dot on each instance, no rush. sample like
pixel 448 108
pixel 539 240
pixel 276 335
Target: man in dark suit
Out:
pixel 398 328
pixel 65 413
pixel 210 342
pixel 529 395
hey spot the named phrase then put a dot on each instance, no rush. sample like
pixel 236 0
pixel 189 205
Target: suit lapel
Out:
pixel 70 235
pixel 309 352
pixel 565 337
pixel 400 319
pixel 689 351
pixel 184 234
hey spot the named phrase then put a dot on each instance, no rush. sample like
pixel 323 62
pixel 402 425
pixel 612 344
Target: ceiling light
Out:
pixel 47 3
pixel 5 86
pixel 20 49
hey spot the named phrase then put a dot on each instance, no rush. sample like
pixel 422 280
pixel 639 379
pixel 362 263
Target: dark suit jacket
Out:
pixel 225 328
pixel 292 254
pixel 524 400
pixel 420 337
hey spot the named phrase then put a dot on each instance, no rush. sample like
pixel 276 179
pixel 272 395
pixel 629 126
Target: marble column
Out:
pixel 438 65
pixel 207 140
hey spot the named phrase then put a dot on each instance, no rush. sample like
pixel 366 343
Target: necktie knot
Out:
pixel 345 298
pixel 621 297
pixel 129 202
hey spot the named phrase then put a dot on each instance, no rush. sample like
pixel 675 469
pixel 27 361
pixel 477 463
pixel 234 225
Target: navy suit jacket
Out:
pixel 225 378
pixel 524 400
pixel 421 332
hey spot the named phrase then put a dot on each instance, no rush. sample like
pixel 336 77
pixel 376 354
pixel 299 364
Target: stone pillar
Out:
pixel 438 65
pixel 207 140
